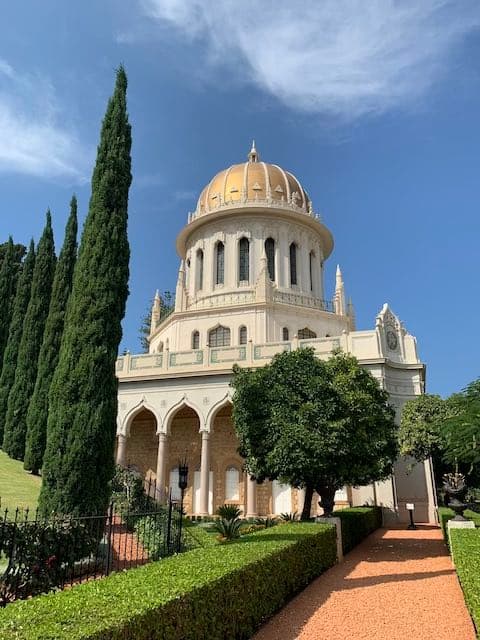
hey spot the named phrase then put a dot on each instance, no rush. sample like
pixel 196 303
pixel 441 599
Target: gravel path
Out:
pixel 396 585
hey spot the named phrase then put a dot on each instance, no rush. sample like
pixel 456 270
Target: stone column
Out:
pixel 161 466
pixel 122 450
pixel 251 497
pixel 204 473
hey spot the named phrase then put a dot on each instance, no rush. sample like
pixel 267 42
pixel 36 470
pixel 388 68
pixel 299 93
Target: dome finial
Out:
pixel 253 155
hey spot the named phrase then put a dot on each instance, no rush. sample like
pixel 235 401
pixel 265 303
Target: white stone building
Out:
pixel 250 284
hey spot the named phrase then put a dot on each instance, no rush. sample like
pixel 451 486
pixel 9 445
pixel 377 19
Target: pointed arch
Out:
pixel 174 409
pixel 224 402
pixel 134 411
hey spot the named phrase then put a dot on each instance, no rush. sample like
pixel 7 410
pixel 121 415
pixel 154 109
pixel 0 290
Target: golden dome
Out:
pixel 251 182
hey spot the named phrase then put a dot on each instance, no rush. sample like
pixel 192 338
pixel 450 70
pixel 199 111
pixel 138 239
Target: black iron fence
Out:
pixel 40 554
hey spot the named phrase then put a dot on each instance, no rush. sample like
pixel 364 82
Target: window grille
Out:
pixel 220 260
pixel 293 263
pixel 304 334
pixel 243 335
pixel 270 252
pixel 199 269
pixel 244 260
pixel 195 340
pixel 219 337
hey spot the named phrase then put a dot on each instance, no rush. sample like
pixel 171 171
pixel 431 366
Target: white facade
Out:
pixel 250 285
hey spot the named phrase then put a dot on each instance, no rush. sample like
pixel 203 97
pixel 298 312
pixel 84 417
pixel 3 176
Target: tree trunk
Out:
pixel 307 504
pixel 327 499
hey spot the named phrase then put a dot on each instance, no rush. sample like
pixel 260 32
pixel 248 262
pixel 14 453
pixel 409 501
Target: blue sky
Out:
pixel 373 105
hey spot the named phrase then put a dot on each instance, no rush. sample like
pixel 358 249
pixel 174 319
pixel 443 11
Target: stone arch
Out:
pixel 224 402
pixel 142 441
pixel 174 409
pixel 124 428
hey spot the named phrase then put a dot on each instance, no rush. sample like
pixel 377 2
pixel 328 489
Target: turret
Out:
pixel 156 312
pixel 339 298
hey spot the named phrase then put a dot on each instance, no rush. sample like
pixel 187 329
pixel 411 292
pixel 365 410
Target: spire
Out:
pixel 180 293
pixel 253 155
pixel 339 298
pixel 156 312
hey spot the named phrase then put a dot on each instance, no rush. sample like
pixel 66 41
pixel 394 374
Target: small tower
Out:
pixel 180 294
pixel 253 155
pixel 339 298
pixel 156 312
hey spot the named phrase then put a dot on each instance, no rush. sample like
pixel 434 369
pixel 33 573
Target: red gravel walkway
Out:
pixel 396 585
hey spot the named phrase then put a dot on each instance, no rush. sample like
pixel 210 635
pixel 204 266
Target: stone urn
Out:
pixel 455 489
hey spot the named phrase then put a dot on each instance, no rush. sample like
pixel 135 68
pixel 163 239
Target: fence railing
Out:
pixel 40 554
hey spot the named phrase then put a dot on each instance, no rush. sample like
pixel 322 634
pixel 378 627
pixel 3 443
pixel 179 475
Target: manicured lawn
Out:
pixel 17 487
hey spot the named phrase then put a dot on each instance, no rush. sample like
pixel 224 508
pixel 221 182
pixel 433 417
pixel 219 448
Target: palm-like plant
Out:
pixel 266 522
pixel 229 511
pixel 228 529
pixel 289 517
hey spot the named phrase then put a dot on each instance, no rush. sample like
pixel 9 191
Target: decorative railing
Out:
pixel 364 343
pixel 302 300
pixel 222 300
pixel 257 201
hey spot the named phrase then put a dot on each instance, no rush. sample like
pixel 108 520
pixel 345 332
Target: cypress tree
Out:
pixel 78 464
pixel 8 283
pixel 32 336
pixel 10 356
pixel 62 284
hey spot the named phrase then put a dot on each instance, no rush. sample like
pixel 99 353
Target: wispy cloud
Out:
pixel 33 139
pixel 346 58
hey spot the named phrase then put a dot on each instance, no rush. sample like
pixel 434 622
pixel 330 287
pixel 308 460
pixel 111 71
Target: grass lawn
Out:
pixel 17 487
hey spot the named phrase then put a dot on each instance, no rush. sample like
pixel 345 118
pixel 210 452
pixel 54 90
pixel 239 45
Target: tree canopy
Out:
pixel 314 424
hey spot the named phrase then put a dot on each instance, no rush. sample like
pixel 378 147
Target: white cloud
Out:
pixel 346 58
pixel 33 140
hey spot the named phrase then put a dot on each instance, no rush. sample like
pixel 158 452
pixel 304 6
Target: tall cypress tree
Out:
pixel 8 283
pixel 10 356
pixel 78 463
pixel 62 285
pixel 32 336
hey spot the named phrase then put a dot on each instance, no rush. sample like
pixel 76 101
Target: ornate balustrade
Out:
pixel 222 300
pixel 302 300
pixel 364 344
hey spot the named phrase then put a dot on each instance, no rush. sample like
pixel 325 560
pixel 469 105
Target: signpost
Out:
pixel 410 508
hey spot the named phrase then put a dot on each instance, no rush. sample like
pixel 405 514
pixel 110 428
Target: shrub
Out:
pixel 228 529
pixel 247 581
pixel 229 511
pixel 266 522
pixel 289 517
pixel 357 524
pixel 445 514
pixel 465 547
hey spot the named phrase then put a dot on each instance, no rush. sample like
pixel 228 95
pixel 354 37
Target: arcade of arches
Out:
pixel 216 474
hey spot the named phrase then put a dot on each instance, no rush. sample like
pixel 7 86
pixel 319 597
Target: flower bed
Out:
pixel 223 591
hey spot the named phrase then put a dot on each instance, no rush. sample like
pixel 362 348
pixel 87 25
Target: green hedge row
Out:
pixel 357 524
pixel 465 548
pixel 445 514
pixel 219 592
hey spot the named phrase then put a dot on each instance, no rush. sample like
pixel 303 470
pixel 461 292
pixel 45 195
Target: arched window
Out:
pixel 293 263
pixel 242 335
pixel 232 481
pixel 310 266
pixel 195 340
pixel 219 263
pixel 160 347
pixel 244 260
pixel 219 337
pixel 199 270
pixel 306 333
pixel 270 252
pixel 285 333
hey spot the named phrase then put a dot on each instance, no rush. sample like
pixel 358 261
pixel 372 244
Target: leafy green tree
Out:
pixel 461 429
pixel 314 424
pixel 167 304
pixel 20 251
pixel 30 344
pixel 47 362
pixel 10 356
pixel 78 464
pixel 8 285
pixel 420 434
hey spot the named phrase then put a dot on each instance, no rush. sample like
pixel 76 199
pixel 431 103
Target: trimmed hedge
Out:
pixel 445 514
pixel 220 592
pixel 357 524
pixel 465 548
